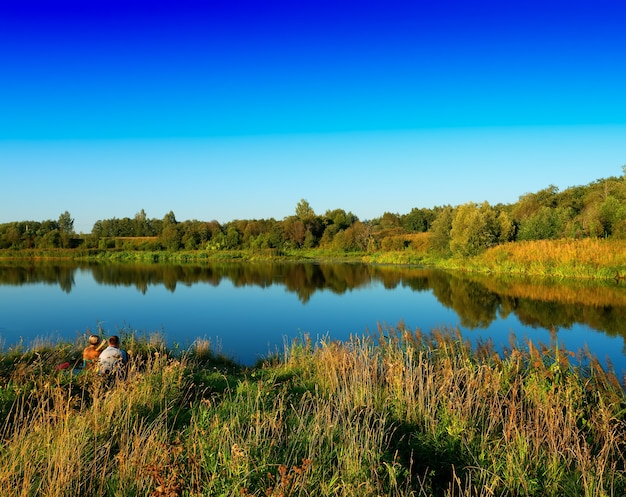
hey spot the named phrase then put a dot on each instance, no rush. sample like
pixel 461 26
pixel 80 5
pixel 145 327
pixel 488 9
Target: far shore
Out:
pixel 599 259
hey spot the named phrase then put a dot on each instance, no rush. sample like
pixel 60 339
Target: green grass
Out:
pixel 397 414
pixel 576 259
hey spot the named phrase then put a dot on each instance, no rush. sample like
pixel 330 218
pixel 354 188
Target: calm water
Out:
pixel 248 310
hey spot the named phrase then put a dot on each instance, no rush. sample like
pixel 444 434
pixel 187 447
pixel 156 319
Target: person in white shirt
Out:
pixel 112 359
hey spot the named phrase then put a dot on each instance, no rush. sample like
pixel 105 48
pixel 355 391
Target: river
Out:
pixel 249 310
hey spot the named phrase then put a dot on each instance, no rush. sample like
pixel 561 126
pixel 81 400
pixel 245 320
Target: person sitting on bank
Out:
pixel 91 353
pixel 112 359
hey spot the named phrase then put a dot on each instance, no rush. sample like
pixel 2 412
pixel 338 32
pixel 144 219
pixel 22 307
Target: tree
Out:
pixel 170 234
pixel 506 227
pixel 52 239
pixel 612 213
pixel 140 224
pixel 233 237
pixel 415 221
pixel 304 211
pixel 295 231
pixel 13 236
pixel 66 223
pixel 306 228
pixel 170 237
pixel 475 228
pixel 546 224
pixel 357 237
pixel 440 230
pixel 530 203
pixel 328 235
pixel 389 221
pixel 66 229
pixel 339 218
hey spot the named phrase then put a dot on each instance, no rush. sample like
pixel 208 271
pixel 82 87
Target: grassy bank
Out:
pixel 581 259
pixel 586 259
pixel 395 414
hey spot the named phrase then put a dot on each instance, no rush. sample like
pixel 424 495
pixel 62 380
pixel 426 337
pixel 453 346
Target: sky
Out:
pixel 239 109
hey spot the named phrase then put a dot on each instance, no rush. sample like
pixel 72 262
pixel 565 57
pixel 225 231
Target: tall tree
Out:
pixel 66 230
pixel 140 222
pixel 66 223
pixel 170 236
pixel 440 230
pixel 304 211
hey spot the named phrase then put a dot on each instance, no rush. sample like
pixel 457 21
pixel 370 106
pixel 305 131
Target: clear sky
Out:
pixel 238 109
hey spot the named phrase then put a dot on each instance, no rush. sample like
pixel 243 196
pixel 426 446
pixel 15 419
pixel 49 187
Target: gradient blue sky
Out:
pixel 230 109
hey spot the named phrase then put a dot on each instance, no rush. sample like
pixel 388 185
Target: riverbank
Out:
pixel 399 413
pixel 577 259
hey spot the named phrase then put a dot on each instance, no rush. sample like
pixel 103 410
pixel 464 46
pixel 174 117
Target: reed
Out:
pixel 396 413
pixel 586 258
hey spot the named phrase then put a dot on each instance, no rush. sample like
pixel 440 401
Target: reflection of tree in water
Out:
pixel 562 304
pixel 306 279
pixel 303 280
pixel 37 272
pixel 65 278
pixel 477 299
pixel 608 318
pixel 538 314
pixel 475 305
pixel 440 284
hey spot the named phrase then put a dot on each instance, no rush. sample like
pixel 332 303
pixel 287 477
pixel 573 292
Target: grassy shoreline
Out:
pixel 577 259
pixel 399 413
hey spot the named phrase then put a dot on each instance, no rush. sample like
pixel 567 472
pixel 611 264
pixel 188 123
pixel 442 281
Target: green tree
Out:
pixel 276 234
pixel 506 227
pixel 66 229
pixel 530 203
pixel 140 224
pixel 339 241
pixel 295 231
pixel 415 221
pixel 233 237
pixel 357 237
pixel 339 218
pixel 52 239
pixel 170 237
pixel 304 211
pixel 474 229
pixel 389 221
pixel 66 223
pixel 328 235
pixel 440 230
pixel 312 228
pixel 612 213
pixel 13 236
pixel 546 224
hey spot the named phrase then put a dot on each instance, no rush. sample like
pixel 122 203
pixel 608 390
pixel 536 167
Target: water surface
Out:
pixel 248 310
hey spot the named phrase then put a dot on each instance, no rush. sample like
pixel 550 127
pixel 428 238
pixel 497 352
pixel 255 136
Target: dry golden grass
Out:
pixel 397 414
pixel 586 257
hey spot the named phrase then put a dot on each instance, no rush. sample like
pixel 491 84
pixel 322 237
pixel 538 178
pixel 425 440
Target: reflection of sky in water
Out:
pixel 249 322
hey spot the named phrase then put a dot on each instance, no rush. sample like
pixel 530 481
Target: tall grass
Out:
pixel 586 258
pixel 399 413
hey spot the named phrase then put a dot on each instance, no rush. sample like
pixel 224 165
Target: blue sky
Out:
pixel 230 109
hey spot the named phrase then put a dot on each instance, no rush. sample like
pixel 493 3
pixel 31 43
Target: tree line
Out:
pixel 591 211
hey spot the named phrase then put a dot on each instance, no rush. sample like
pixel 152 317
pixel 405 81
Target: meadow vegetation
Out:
pixel 395 413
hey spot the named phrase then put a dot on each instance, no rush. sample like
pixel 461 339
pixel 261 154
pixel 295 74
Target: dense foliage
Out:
pixel 597 210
